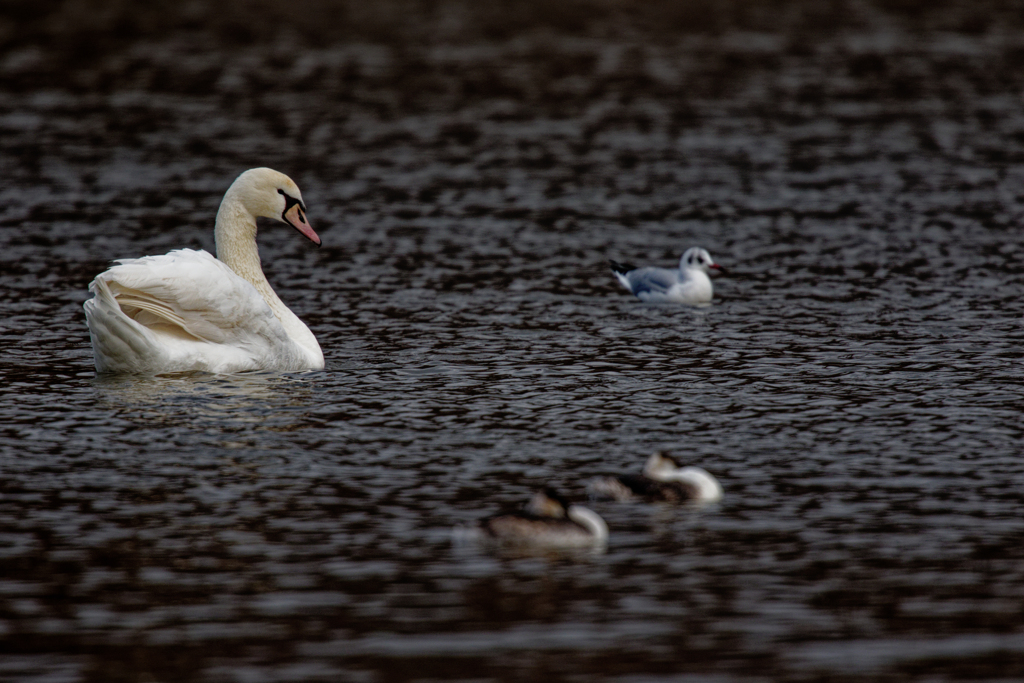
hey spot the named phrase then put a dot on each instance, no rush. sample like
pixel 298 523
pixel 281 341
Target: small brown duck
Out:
pixel 547 520
pixel 662 480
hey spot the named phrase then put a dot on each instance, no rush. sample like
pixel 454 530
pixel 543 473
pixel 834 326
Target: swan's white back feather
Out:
pixel 186 311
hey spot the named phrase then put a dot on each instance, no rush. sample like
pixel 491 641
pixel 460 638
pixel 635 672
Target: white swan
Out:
pixel 188 311
pixel 688 284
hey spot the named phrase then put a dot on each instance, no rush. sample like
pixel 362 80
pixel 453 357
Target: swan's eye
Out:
pixel 290 201
pixel 280 191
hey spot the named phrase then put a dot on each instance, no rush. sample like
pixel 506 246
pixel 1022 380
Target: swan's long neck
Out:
pixel 235 237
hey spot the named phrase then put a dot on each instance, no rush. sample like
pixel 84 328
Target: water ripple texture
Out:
pixel 856 386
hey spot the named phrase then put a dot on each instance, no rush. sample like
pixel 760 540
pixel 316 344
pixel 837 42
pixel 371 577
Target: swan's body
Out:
pixel 188 311
pixel 662 480
pixel 549 521
pixel 688 284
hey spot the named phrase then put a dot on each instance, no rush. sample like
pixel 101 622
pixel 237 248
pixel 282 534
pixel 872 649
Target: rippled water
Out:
pixel 856 385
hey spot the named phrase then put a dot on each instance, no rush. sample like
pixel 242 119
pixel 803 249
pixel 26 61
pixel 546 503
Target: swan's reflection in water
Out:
pixel 227 403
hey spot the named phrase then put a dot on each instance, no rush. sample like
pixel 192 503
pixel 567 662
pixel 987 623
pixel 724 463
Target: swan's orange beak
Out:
pixel 296 218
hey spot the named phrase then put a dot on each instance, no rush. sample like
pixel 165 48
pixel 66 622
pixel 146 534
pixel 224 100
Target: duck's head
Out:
pixel 664 468
pixel 660 466
pixel 696 258
pixel 267 193
pixel 547 503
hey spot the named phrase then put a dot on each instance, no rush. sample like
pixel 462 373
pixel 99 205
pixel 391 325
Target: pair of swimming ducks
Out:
pixel 548 520
pixel 187 311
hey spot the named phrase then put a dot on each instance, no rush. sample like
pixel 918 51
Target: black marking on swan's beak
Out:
pixel 290 201
pixel 295 216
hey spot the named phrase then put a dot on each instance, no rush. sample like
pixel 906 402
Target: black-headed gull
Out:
pixel 688 284
pixel 662 480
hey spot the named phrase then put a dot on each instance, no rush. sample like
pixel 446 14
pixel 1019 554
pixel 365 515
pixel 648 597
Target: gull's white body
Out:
pixel 188 311
pixel 688 284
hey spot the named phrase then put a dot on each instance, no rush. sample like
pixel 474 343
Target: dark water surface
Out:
pixel 856 386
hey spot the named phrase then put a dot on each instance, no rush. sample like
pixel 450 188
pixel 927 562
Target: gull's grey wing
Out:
pixel 656 280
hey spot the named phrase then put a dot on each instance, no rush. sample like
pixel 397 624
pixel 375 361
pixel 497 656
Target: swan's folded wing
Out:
pixel 192 294
pixel 657 280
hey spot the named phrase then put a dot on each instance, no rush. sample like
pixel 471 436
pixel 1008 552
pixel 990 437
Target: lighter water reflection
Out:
pixel 273 401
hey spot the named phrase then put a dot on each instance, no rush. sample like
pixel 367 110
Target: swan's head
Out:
pixel 699 259
pixel 270 194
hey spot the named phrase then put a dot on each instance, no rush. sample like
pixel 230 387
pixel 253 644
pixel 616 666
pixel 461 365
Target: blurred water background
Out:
pixel 856 386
